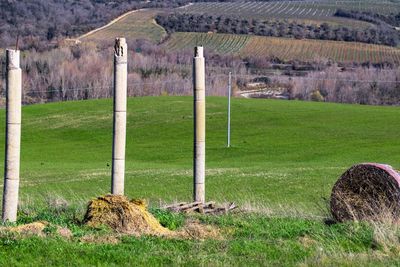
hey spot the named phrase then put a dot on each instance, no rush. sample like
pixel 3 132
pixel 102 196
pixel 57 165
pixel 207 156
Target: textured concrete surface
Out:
pixel 13 136
pixel 119 124
pixel 199 124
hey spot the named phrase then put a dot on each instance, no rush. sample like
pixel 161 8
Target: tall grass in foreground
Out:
pixel 255 238
pixel 285 157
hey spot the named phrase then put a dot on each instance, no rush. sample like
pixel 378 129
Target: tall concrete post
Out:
pixel 199 85
pixel 13 136
pixel 119 124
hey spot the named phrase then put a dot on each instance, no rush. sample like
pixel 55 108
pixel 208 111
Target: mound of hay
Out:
pixel 123 215
pixel 30 229
pixel 36 229
pixel 367 192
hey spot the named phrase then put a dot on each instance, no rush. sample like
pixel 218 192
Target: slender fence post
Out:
pixel 228 144
pixel 199 85
pixel 119 123
pixel 13 136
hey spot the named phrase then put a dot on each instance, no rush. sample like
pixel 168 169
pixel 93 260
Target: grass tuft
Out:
pixel 168 219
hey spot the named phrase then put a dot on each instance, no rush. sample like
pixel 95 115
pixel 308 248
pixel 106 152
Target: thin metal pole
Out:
pixel 229 109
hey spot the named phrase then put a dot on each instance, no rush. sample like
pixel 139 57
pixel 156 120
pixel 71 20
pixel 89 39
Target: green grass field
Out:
pixel 299 148
pixel 286 156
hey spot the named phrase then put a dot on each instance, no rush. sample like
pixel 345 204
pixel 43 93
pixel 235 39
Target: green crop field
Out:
pixel 220 43
pixel 284 48
pixel 137 25
pixel 286 155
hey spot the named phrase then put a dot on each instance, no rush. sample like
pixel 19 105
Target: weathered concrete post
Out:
pixel 13 136
pixel 199 85
pixel 119 124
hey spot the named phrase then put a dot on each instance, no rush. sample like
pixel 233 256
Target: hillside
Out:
pixel 141 25
pixel 311 11
pixel 285 48
pixel 39 24
pixel 138 24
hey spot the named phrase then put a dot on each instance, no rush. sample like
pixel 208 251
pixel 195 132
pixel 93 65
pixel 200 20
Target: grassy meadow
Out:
pixel 296 148
pixel 136 25
pixel 284 160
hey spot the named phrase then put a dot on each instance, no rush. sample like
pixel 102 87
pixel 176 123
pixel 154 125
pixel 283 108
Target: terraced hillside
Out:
pixel 141 25
pixel 289 49
pixel 309 10
pixel 220 43
pixel 138 24
pixel 286 49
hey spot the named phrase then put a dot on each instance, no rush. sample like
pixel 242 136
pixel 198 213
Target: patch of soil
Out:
pixel 64 232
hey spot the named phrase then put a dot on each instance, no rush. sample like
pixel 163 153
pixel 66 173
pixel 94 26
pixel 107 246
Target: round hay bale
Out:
pixel 123 215
pixel 367 191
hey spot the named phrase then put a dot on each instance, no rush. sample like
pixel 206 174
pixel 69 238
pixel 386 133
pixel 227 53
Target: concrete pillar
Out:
pixel 199 85
pixel 13 136
pixel 119 124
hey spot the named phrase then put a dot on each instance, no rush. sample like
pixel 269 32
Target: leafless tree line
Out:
pixel 372 86
pixel 86 72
